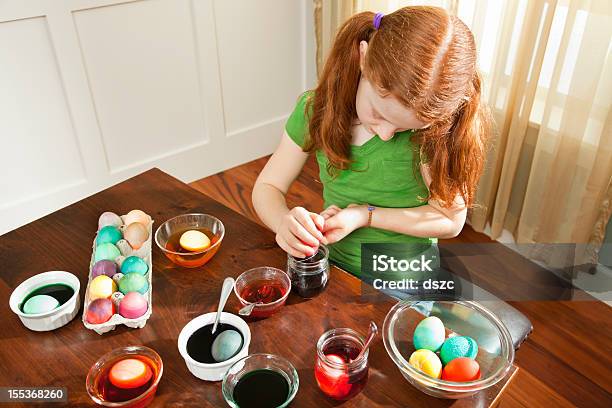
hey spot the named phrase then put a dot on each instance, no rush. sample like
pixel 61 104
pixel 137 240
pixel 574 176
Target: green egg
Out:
pixel 106 251
pixel 134 264
pixel 458 346
pixel 226 345
pixel 108 234
pixel 133 282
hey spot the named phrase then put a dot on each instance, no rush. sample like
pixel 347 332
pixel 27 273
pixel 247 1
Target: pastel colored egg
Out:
pixel 106 251
pixel 109 233
pixel 226 345
pixel 109 218
pixel 133 305
pixel 194 240
pixel 104 267
pixel 461 369
pixel 136 234
pixel 100 311
pixel 130 373
pixel 429 334
pixel 101 287
pixel 459 346
pixel 133 282
pixel 426 361
pixel 134 264
pixel 137 216
pixel 40 304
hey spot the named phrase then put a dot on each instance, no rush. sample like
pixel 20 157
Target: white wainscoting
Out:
pixel 95 91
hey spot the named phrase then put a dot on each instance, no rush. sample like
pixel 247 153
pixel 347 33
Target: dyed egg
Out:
pixel 429 334
pixel 461 369
pixel 106 251
pixel 194 240
pixel 104 267
pixel 226 345
pixel 133 282
pixel 133 305
pixel 134 264
pixel 100 311
pixel 459 346
pixel 117 278
pixel 426 361
pixel 136 234
pixel 137 216
pixel 130 373
pixel 109 218
pixel 110 233
pixel 40 304
pixel 101 287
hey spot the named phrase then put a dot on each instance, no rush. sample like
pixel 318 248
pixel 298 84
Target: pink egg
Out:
pixel 133 305
pixel 109 218
pixel 136 234
pixel 100 311
pixel 137 216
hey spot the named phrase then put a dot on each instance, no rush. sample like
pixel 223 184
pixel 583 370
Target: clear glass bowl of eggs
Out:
pixel 448 349
pixel 190 240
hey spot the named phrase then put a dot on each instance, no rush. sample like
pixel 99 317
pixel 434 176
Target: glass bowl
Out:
pixel 170 231
pixel 465 318
pixel 263 282
pixel 255 362
pixel 98 376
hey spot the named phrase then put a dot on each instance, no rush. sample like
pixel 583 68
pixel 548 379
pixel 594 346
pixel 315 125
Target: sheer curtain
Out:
pixel 547 71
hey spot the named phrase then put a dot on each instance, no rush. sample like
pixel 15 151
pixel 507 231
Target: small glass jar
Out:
pixel 339 372
pixel 309 276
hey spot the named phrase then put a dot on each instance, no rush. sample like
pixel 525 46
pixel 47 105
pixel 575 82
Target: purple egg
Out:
pixel 104 267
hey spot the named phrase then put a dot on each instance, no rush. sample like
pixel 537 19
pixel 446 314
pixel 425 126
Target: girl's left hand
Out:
pixel 344 221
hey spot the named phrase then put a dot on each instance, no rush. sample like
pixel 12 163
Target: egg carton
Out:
pixel 144 252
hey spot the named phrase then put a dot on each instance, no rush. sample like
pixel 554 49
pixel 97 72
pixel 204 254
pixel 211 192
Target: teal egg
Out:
pixel 133 282
pixel 40 304
pixel 429 334
pixel 106 251
pixel 134 264
pixel 459 346
pixel 226 345
pixel 108 234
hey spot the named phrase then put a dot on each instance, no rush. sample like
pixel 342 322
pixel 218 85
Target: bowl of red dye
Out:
pixel 266 287
pixel 125 377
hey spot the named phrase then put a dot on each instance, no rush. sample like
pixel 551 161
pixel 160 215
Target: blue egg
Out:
pixel 429 334
pixel 106 251
pixel 108 234
pixel 134 264
pixel 226 345
pixel 40 304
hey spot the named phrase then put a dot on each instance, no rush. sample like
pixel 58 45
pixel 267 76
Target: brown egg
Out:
pixel 137 216
pixel 136 234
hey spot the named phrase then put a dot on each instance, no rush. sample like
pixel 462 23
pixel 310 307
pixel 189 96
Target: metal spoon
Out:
pixel 226 290
pixel 371 334
pixel 248 309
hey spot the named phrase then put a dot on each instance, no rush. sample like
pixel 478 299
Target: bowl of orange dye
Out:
pixel 190 240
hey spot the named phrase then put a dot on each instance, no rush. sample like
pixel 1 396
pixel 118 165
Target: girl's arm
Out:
pixel 297 230
pixel 428 221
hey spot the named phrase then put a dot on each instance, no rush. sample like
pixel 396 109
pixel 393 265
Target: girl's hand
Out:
pixel 330 211
pixel 299 232
pixel 345 221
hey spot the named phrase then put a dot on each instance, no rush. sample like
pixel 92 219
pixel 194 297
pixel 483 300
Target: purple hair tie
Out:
pixel 377 19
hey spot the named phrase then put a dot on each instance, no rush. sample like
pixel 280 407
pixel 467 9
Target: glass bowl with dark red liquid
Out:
pixel 260 381
pixel 309 276
pixel 168 235
pixel 266 287
pixel 339 373
pixel 102 390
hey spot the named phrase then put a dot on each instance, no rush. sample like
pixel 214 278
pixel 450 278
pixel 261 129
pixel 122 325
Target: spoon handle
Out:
pixel 226 290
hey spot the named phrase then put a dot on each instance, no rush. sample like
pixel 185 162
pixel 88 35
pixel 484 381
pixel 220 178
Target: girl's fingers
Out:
pixel 282 242
pixel 302 234
pixel 300 247
pixel 308 224
pixel 318 220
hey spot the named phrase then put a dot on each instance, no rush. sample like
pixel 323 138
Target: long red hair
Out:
pixel 426 59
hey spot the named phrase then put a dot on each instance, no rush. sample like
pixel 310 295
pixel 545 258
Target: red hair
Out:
pixel 426 59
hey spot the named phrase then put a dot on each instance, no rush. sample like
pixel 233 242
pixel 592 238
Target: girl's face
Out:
pixel 382 115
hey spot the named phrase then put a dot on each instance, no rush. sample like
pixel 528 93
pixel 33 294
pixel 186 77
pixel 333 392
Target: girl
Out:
pixel 398 131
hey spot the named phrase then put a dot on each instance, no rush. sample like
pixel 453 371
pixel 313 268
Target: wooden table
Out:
pixel 62 241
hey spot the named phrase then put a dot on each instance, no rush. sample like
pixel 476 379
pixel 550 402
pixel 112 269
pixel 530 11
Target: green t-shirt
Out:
pixel 382 175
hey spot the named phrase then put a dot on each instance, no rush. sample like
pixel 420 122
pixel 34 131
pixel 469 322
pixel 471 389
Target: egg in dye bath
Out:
pixel 109 218
pixel 100 311
pixel 458 346
pixel 226 345
pixel 106 251
pixel 426 361
pixel 101 287
pixel 136 234
pixel 137 216
pixel 40 304
pixel 133 305
pixel 429 334
pixel 134 264
pixel 133 282
pixel 104 267
pixel 194 241
pixel 130 373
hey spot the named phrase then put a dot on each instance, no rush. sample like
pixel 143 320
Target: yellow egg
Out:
pixel 137 216
pixel 136 234
pixel 193 240
pixel 427 361
pixel 101 287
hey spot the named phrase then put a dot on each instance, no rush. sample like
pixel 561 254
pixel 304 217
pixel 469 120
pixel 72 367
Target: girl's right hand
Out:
pixel 299 232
